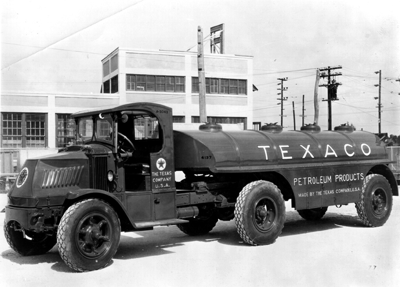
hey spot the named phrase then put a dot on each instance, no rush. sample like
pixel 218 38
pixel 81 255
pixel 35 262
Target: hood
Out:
pixel 50 178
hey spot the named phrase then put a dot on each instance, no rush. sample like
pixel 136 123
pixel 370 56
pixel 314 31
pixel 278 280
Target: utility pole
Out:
pixel 202 77
pixel 316 105
pixel 332 90
pixel 302 113
pixel 379 100
pixel 294 116
pixel 282 98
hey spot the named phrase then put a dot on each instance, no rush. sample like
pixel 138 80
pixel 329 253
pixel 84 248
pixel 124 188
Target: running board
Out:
pixel 149 224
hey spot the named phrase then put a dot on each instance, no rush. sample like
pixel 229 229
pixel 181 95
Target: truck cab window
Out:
pixel 85 129
pixel 104 128
pixel 146 128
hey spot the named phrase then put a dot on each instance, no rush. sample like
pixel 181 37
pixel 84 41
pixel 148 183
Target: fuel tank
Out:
pixel 251 150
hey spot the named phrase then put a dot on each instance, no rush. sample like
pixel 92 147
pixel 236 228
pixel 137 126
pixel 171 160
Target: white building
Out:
pixel 35 123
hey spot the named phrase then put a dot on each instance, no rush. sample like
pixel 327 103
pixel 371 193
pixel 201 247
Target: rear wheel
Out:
pixel 313 214
pixel 260 213
pixel 88 235
pixel 27 243
pixel 376 201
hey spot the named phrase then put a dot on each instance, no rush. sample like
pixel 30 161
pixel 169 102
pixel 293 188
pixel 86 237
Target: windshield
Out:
pixel 99 129
pixel 85 129
pixel 104 128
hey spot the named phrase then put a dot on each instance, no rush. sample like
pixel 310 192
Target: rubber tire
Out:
pixel 200 225
pixel 246 208
pixel 313 214
pixel 373 185
pixel 68 235
pixel 40 243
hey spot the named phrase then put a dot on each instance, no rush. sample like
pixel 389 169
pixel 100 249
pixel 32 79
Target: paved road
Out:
pixel 336 251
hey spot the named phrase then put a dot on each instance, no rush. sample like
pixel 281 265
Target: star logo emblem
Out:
pixel 161 164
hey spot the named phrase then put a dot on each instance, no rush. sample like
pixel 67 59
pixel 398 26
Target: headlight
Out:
pixel 22 177
pixel 110 176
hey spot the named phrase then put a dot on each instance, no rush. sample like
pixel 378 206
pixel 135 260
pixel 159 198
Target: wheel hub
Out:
pixel 92 236
pixel 265 215
pixel 378 202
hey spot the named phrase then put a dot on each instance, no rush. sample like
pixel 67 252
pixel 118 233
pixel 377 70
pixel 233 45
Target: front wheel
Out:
pixel 27 243
pixel 376 201
pixel 260 213
pixel 88 235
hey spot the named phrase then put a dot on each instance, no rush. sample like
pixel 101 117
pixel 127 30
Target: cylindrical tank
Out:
pixel 251 150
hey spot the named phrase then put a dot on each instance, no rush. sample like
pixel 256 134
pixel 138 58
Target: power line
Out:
pixel 73 33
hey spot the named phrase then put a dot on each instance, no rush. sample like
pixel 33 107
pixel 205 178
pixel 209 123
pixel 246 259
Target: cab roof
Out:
pixel 141 107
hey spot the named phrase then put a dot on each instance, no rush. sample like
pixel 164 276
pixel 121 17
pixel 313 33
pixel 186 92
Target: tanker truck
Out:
pixel 119 175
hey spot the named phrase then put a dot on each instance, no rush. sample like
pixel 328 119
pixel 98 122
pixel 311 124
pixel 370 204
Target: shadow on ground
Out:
pixel 162 240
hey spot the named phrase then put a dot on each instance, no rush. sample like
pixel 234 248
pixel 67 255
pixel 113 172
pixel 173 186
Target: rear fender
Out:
pixel 388 174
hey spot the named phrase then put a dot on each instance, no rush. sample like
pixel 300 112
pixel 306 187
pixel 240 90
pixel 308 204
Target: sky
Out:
pixel 57 46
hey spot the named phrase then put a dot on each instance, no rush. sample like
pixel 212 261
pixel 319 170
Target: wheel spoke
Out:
pixel 101 223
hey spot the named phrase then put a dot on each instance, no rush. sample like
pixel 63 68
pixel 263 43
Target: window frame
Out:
pixel 155 83
pixel 25 129
pixel 222 86
pixel 64 137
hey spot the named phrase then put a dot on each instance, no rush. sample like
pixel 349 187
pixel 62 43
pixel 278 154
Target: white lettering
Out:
pixel 307 151
pixel 264 147
pixel 364 152
pixel 330 153
pixel 345 150
pixel 284 151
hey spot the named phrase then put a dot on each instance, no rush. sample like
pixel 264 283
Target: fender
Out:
pixel 114 201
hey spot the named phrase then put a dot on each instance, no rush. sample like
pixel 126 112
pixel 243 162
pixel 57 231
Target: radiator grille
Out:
pixel 62 177
pixel 99 173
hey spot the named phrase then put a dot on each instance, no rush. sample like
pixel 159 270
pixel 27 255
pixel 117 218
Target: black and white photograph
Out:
pixel 200 143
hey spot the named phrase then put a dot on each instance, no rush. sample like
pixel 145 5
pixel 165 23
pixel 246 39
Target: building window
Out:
pixel 180 84
pixel 224 88
pixel 114 63
pixel 242 90
pixel 151 83
pixel 160 85
pixel 233 87
pixel 178 119
pixel 130 82
pixel 106 68
pixel 221 86
pixel 106 87
pixel 195 85
pixel 21 130
pixel 11 130
pixel 65 133
pixel 111 86
pixel 114 84
pixel 214 86
pixel 223 120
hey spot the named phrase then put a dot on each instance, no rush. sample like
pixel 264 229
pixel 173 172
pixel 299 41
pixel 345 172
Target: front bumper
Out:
pixel 38 220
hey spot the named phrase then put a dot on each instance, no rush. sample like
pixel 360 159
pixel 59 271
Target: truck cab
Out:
pixel 136 161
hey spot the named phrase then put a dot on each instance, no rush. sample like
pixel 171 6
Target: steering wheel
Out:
pixel 125 146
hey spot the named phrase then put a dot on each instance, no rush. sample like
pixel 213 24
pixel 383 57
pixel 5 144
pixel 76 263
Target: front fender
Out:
pixel 115 201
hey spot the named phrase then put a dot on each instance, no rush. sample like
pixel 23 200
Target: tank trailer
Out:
pixel 119 175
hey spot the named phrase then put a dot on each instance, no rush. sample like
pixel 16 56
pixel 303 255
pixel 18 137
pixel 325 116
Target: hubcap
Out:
pixel 379 203
pixel 94 235
pixel 265 214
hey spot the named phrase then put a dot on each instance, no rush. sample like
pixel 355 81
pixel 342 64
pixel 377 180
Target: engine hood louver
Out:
pixel 62 177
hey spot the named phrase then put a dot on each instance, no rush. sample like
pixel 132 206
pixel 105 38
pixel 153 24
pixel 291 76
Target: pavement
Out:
pixel 335 251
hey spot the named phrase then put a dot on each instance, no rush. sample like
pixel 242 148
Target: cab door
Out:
pixel 163 186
